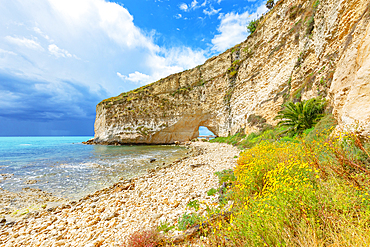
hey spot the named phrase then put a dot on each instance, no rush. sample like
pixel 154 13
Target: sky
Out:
pixel 59 59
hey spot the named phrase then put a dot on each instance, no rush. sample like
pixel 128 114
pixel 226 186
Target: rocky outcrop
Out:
pixel 301 49
pixel 350 89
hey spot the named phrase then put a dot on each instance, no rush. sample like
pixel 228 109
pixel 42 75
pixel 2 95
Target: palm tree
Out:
pixel 302 115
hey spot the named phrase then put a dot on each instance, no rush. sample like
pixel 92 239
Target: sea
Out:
pixel 67 168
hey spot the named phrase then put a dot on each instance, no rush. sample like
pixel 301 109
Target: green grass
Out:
pixel 233 139
pixel 243 141
pixel 165 227
pixel 225 176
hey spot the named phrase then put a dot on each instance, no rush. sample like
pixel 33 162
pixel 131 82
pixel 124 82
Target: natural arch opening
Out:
pixel 205 133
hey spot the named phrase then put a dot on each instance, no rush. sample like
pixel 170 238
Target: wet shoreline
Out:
pixel 67 168
pixel 17 205
pixel 108 216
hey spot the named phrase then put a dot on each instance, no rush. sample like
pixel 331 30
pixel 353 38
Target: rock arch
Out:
pixel 254 77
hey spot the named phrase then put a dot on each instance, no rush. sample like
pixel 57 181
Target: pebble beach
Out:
pixel 108 216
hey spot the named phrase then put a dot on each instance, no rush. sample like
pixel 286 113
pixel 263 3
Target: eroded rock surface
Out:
pixel 302 49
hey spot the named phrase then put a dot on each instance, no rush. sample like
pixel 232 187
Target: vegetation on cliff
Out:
pixel 252 26
pixel 301 115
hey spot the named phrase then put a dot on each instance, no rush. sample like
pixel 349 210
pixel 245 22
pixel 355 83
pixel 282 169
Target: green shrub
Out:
pixel 252 26
pixel 311 20
pixel 225 176
pixel 233 139
pixel 194 204
pixel 316 4
pixel 322 129
pixel 268 134
pixel 187 220
pixel 219 139
pixel 232 72
pixel 236 62
pixel 212 192
pixel 293 12
pixel 300 116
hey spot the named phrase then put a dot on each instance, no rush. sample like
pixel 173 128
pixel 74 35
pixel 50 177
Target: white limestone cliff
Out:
pixel 301 49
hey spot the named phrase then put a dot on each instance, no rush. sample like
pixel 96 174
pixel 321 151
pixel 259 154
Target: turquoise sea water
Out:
pixel 67 168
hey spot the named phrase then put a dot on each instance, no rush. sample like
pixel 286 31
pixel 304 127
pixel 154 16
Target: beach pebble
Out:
pixel 107 217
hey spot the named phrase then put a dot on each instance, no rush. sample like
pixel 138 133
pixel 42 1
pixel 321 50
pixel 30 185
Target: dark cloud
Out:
pixel 31 107
pixel 14 127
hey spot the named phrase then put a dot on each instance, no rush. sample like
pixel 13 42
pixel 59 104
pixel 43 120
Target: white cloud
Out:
pixel 37 30
pixel 98 15
pixel 119 26
pixel 174 60
pixel 184 7
pixel 178 16
pixel 9 100
pixel 212 11
pixel 120 75
pixel 194 4
pixel 233 28
pixel 183 57
pixel 29 43
pixel 58 52
pixel 7 52
pixel 136 77
pixel 101 36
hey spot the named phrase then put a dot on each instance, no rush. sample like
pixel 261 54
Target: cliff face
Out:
pixel 301 49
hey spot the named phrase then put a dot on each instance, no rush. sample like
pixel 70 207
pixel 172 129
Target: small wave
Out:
pixel 25 144
pixel 89 164
pixel 95 165
pixel 72 166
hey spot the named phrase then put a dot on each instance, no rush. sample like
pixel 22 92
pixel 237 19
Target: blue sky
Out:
pixel 58 59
